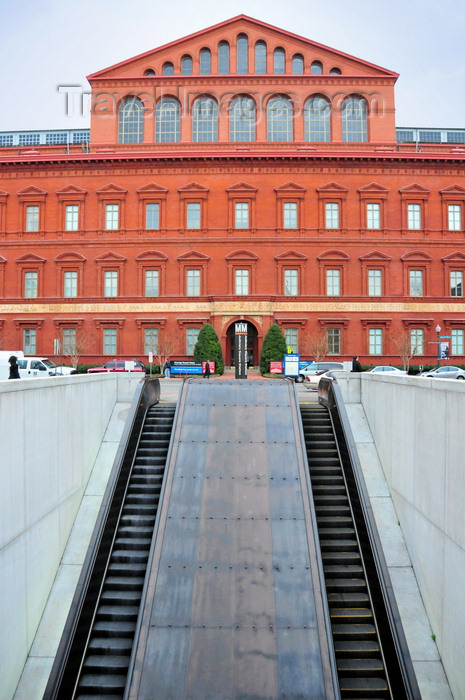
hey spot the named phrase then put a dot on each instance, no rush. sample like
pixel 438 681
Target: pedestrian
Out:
pixel 206 374
pixel 356 366
pixel 167 369
pixel 14 369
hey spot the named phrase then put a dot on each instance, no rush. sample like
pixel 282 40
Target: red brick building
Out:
pixel 242 172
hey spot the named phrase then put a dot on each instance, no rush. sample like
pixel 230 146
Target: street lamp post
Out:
pixel 438 331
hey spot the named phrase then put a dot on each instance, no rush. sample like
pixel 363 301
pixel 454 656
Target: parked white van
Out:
pixel 4 364
pixel 30 367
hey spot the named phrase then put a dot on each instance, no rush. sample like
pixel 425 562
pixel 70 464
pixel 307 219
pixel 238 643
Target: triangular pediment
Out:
pixel 3 194
pixel 30 258
pixel 109 257
pixel 373 188
pixel 111 188
pixel 375 255
pixel 70 257
pixel 241 187
pixel 413 189
pixel 458 257
pixel 291 255
pixel 193 255
pixel 151 256
pixel 193 187
pixel 71 189
pixel 416 256
pixel 333 255
pixel 32 191
pixel 241 255
pixel 152 188
pixel 453 189
pixel 2 260
pixel 331 188
pixel 150 63
pixel 291 188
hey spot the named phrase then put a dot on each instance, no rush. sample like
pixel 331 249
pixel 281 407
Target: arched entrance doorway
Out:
pixel 252 344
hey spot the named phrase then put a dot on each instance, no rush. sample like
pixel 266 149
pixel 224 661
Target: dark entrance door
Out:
pixel 252 344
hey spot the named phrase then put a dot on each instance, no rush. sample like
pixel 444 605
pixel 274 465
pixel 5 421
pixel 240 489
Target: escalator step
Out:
pixel 358 666
pixel 354 631
pixel 111 645
pixel 348 585
pixel 355 648
pixel 106 664
pixel 112 628
pixel 102 684
pixel 120 597
pixel 134 583
pixel 355 615
pixel 115 613
pixel 363 685
pixel 340 558
pixel 328 545
pixel 348 599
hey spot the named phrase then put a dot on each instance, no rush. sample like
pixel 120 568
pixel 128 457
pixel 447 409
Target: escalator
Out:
pixel 100 630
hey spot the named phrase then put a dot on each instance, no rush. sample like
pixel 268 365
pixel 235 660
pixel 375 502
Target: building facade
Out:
pixel 240 173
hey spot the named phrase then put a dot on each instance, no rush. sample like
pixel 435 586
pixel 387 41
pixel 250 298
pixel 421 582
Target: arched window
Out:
pixel 131 121
pixel 242 119
pixel 205 120
pixel 354 120
pixel 298 64
pixel 335 71
pixel 223 58
pixel 205 62
pixel 149 72
pixel 168 68
pixel 242 66
pixel 316 68
pixel 317 115
pixel 279 62
pixel 279 119
pixel 260 58
pixel 168 121
pixel 186 65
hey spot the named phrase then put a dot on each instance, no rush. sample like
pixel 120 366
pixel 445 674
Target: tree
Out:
pixel 318 345
pixel 76 344
pixel 273 349
pixel 163 345
pixel 208 347
pixel 405 347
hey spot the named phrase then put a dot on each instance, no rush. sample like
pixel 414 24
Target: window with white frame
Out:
pixel 375 341
pixel 242 55
pixel 205 120
pixel 29 341
pixel 456 283
pixel 152 215
pixel 457 341
pixel 31 284
pixel 292 338
pixel 111 217
pixel 373 215
pixel 70 280
pixel 375 283
pixel 241 215
pixel 168 121
pixel 291 282
pixel 150 340
pixel 354 120
pixel 333 282
pixel 333 336
pixel 32 217
pixel 131 121
pixel 69 341
pixel 414 217
pixel 193 283
pixel 331 214
pixel 241 282
pixel 454 217
pixel 151 283
pixel 191 339
pixel 242 119
pixel 71 217
pixel 289 214
pixel 416 283
pixel 223 58
pixel 417 341
pixel 110 283
pixel 280 116
pixel 317 119
pixel 193 215
pixel 109 341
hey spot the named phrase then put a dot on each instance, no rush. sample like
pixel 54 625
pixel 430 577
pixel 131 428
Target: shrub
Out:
pixel 273 348
pixel 208 347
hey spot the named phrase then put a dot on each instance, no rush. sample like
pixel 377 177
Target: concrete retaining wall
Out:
pixel 50 434
pixel 418 428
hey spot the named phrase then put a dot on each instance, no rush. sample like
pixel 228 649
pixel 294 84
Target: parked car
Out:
pixel 388 368
pixel 64 370
pixel 312 380
pixel 317 368
pixel 445 372
pixel 119 366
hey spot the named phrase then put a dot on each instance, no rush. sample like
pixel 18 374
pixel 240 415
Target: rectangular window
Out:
pixel 334 341
pixel 191 338
pixel 414 217
pixel 291 282
pixel 111 217
pixel 290 215
pixel 454 215
pixel 456 283
pixel 333 283
pixel 331 215
pixel 373 215
pixel 71 217
pixel 457 341
pixel 375 341
pixel 31 283
pixel 375 278
pixel 241 278
pixel 152 216
pixel 193 283
pixel 30 341
pixel 416 283
pixel 193 215
pixel 292 338
pixel 151 283
pixel 32 218
pixel 70 283
pixel 241 215
pixel 150 340
pixel 417 341
pixel 109 341
pixel 110 283
pixel 69 341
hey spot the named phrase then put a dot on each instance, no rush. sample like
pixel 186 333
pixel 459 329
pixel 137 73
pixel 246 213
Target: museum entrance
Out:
pixel 252 344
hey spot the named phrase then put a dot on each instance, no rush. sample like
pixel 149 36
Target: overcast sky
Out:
pixel 58 42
